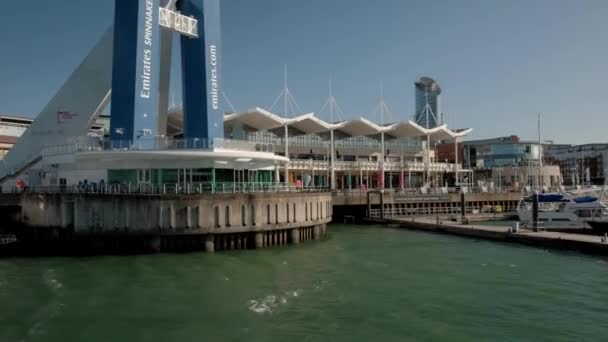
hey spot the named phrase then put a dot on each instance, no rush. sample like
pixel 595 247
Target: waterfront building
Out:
pixel 361 158
pixel 428 103
pixel 515 176
pixel 502 151
pixel 510 161
pixel 144 143
pixel 580 165
pixel 11 128
pixel 448 152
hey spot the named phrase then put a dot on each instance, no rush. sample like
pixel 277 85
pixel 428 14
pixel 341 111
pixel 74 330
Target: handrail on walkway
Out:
pixel 164 189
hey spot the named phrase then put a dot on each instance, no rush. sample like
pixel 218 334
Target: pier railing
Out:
pixel 376 213
pixel 421 191
pixel 94 144
pixel 165 189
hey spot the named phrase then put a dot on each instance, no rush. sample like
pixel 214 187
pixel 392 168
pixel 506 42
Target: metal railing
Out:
pixel 310 164
pixel 433 211
pixel 92 145
pixel 353 143
pixel 418 191
pixel 164 189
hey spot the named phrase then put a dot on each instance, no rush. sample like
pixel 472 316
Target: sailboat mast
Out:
pixel 540 155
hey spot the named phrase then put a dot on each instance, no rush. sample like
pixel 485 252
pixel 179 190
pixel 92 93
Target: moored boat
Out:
pixel 562 210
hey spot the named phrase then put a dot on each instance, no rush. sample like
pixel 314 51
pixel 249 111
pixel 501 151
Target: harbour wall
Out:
pixel 355 206
pixel 152 223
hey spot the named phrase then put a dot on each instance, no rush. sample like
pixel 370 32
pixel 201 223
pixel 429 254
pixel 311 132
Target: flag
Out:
pixel 64 116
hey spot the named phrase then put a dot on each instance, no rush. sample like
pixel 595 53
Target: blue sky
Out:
pixel 499 62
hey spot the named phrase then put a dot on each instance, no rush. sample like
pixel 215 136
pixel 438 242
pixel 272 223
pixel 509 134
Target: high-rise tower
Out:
pixel 428 103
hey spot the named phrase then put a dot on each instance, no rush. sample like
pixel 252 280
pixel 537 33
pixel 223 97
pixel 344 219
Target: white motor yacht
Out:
pixel 561 210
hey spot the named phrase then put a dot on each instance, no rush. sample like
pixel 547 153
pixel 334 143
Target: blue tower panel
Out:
pixel 135 71
pixel 201 58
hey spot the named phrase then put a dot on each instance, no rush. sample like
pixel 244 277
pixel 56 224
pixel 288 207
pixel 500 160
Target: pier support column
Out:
pixel 127 211
pixel 462 209
pixel 209 244
pixel 382 202
pixel 317 232
pixel 153 244
pixel 535 211
pixel 259 240
pixel 295 236
pixel 172 217
pixel 188 217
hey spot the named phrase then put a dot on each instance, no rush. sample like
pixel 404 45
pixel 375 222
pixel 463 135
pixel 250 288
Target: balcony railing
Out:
pixel 309 164
pixel 155 144
pixel 165 189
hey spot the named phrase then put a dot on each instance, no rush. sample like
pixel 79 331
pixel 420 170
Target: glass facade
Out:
pixel 489 155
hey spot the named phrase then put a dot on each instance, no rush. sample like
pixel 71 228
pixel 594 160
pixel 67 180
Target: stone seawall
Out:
pixel 171 223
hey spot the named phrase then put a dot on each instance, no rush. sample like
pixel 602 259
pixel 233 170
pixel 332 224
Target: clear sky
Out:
pixel 499 62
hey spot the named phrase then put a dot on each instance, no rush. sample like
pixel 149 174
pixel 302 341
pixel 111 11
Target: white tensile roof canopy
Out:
pixel 261 119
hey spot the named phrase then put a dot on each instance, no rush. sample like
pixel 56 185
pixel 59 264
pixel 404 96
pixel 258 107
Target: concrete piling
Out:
pixel 259 240
pixel 295 236
pixel 209 243
pixel 153 244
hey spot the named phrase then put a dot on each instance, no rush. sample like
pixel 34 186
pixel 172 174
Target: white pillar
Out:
pixel 409 178
pixel 360 177
pixel 382 159
pixel 456 165
pixel 401 175
pixel 427 167
pixel 333 159
pixel 286 155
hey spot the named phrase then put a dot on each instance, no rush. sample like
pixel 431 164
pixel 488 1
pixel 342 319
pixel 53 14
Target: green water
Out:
pixel 362 284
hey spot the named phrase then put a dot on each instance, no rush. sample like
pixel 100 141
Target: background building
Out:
pixel 516 176
pixel 509 161
pixel 580 165
pixel 428 91
pixel 502 151
pixel 12 127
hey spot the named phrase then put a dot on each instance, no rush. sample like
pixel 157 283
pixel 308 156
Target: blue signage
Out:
pixel 136 67
pixel 201 70
pixel 135 73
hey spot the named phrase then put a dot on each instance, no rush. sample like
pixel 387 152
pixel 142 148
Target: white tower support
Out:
pixel 68 114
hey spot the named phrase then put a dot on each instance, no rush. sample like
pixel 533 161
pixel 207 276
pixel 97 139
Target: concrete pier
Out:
pixel 591 244
pixel 355 206
pixel 143 223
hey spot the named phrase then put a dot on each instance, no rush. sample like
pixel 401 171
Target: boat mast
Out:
pixel 540 156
